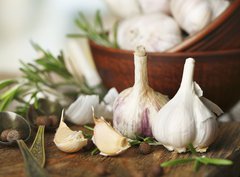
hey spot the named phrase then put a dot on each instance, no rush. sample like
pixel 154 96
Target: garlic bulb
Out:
pixel 123 8
pixel 80 112
pixel 185 118
pixel 191 15
pixel 134 109
pixel 218 6
pixel 67 140
pixel 108 141
pixel 157 32
pixel 155 6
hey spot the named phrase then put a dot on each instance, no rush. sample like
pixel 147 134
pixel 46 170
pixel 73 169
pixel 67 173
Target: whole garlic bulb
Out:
pixel 123 8
pixel 155 6
pixel 191 15
pixel 157 32
pixel 186 118
pixel 134 109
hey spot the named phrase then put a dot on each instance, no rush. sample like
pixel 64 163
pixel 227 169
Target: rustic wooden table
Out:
pixel 128 164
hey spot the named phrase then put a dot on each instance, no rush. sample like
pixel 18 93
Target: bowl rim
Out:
pixel 167 54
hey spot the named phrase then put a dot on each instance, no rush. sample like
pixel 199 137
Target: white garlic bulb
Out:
pixel 191 15
pixel 218 6
pixel 157 32
pixel 185 118
pixel 67 140
pixel 108 141
pixel 135 108
pixel 123 8
pixel 155 6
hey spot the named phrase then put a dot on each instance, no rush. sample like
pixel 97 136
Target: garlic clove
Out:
pixel 108 141
pixel 79 112
pixel 67 140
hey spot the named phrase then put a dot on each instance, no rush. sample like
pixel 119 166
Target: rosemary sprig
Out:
pixel 198 160
pixel 95 31
pixel 39 78
pixel 140 139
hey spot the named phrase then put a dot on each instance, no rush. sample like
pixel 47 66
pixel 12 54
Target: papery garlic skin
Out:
pixel 157 32
pixel 218 6
pixel 191 15
pixel 108 141
pixel 185 119
pixel 67 140
pixel 135 108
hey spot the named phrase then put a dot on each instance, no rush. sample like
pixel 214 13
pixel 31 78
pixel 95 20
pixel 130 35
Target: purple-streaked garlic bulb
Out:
pixel 135 108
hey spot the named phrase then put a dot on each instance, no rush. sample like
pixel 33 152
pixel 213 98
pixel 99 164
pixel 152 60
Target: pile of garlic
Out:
pixel 157 24
pixel 188 118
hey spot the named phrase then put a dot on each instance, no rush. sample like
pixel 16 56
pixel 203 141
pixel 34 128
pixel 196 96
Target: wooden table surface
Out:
pixel 131 162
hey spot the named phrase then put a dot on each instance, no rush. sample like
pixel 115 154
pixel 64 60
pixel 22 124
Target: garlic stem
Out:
pixel 187 78
pixel 140 62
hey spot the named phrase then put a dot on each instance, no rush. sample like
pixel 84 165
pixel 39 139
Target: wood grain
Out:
pixel 128 164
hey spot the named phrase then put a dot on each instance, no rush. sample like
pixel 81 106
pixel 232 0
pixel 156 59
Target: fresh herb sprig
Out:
pixel 39 77
pixel 95 31
pixel 197 160
pixel 140 139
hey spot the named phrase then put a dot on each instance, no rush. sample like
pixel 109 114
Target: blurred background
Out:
pixel 44 22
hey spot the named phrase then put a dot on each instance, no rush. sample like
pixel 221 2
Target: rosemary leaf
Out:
pixel 6 83
pixel 214 161
pixel 176 162
pixel 197 165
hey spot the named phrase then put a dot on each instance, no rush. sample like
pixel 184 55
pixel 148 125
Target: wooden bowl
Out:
pixel 222 34
pixel 217 72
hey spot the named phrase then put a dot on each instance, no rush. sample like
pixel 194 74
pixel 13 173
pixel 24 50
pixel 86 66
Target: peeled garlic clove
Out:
pixel 108 140
pixel 156 32
pixel 191 15
pixel 67 140
pixel 79 112
pixel 185 119
pixel 135 108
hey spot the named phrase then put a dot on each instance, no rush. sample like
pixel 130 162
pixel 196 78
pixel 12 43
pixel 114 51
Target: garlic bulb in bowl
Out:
pixel 187 118
pixel 191 15
pixel 135 107
pixel 157 32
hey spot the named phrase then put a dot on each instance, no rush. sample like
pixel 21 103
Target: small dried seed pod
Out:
pixel 156 170
pixel 53 120
pixel 43 120
pixel 14 135
pixel 144 148
pixel 4 134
